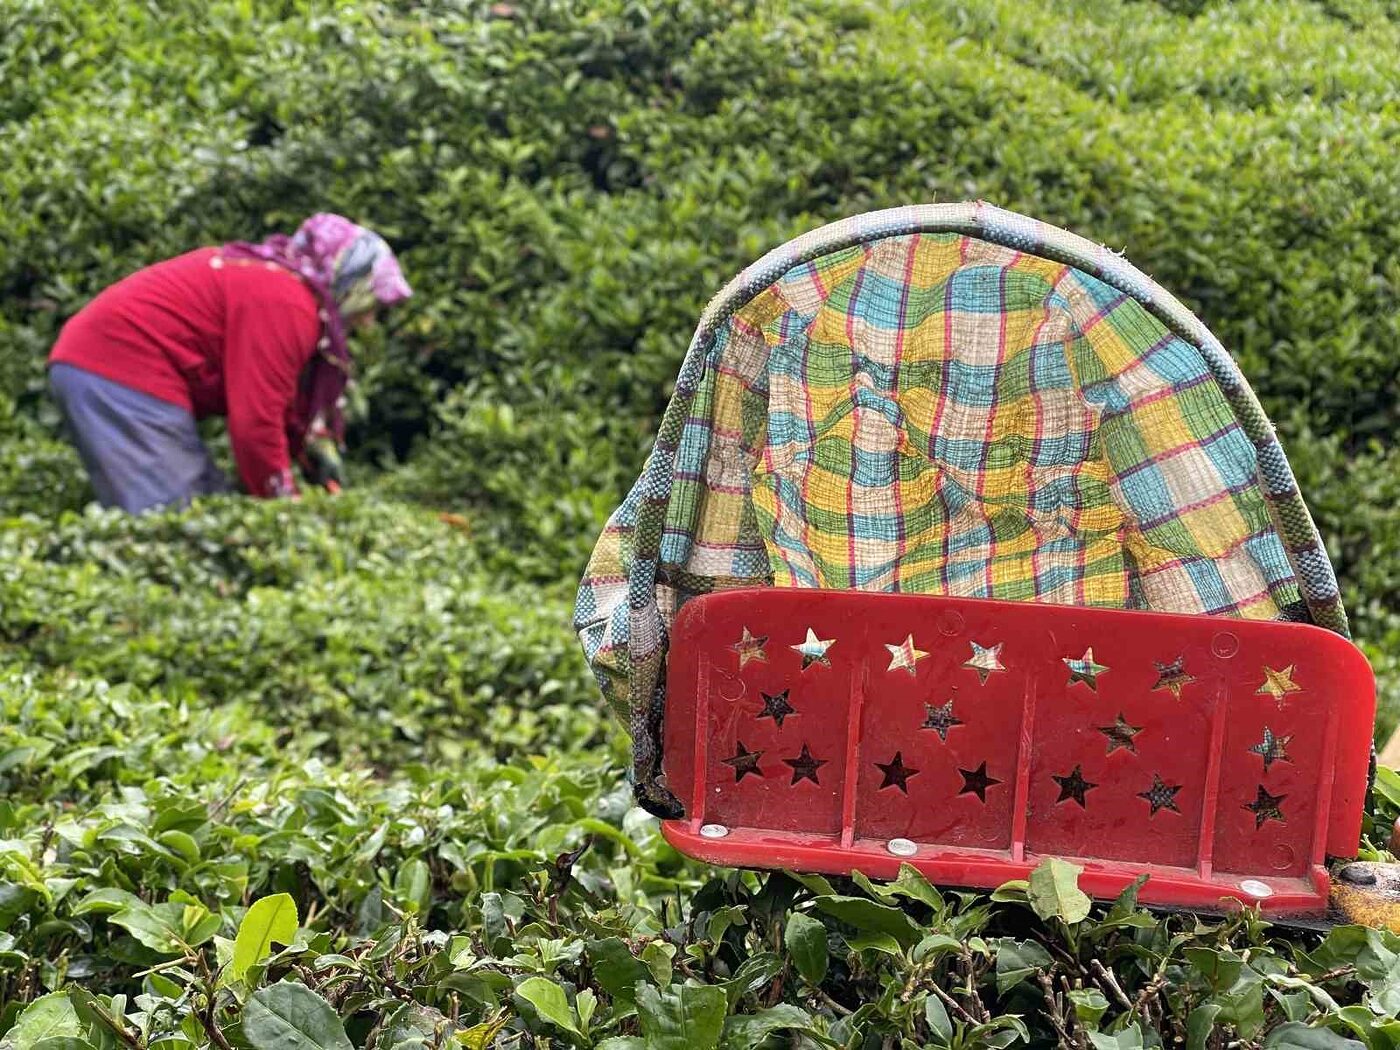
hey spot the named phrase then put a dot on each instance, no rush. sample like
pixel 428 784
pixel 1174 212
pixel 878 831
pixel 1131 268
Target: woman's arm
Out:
pixel 268 341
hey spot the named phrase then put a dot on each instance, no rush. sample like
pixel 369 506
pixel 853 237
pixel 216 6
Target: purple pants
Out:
pixel 140 452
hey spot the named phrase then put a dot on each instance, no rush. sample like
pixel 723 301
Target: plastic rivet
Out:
pixel 901 847
pixel 1255 888
pixel 951 623
pixel 1225 645
pixel 713 831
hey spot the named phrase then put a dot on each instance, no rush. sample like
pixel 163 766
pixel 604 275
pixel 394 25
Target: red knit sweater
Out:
pixel 215 336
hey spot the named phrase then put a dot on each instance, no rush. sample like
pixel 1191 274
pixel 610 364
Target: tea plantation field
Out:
pixel 333 774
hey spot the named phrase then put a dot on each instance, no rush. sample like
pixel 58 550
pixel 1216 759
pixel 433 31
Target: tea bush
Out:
pixel 464 863
pixel 268 605
pixel 333 773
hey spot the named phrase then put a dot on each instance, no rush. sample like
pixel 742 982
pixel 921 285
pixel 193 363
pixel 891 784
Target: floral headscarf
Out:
pixel 350 269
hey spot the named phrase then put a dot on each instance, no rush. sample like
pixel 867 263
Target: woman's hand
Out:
pixel 322 464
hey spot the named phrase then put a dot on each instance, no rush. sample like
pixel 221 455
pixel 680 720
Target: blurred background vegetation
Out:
pixel 567 184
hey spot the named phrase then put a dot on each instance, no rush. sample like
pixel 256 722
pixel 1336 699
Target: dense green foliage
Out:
pixel 382 715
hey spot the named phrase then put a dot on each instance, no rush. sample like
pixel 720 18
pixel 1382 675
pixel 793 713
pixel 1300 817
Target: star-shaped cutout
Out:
pixel 776 707
pixel 897 774
pixel 1173 676
pixel 1084 669
pixel 813 650
pixel 985 660
pixel 904 655
pixel 744 762
pixel 1074 787
pixel 804 766
pixel 1120 734
pixel 976 782
pixel 1160 795
pixel 941 719
pixel 750 647
pixel 1266 807
pixel 1279 684
pixel 1272 748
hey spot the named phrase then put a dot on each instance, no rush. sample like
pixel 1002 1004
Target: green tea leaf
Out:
pixel 269 919
pixel 1292 1035
pixel 658 956
pixel 936 944
pixel 549 1002
pixel 939 1023
pixel 1054 891
pixel 481 1036
pixel 683 1017
pixel 817 885
pixel 1129 1038
pixel 754 973
pixel 1199 1025
pixel 180 842
pixel 1126 902
pixel 910 884
pixel 869 917
pixel 1089 1004
pixel 1242 1003
pixel 751 1031
pixel 878 942
pixel 292 1017
pixel 155 926
pixel 1017 961
pixel 14 901
pixel 105 900
pixel 723 919
pixel 48 1017
pixel 805 941
pixel 616 968
pixel 1013 891
pixel 413 886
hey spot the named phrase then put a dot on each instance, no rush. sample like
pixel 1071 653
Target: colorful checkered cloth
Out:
pixel 917 401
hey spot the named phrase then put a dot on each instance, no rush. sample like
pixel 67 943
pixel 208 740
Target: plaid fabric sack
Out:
pixel 949 399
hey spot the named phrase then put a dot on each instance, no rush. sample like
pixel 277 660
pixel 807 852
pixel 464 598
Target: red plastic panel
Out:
pixel 1226 758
